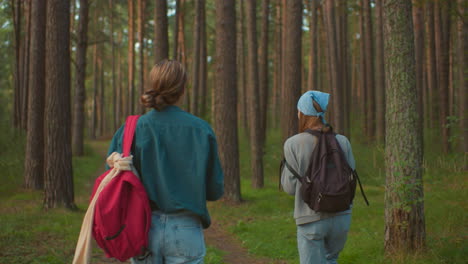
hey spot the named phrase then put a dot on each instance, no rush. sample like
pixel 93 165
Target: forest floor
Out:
pixel 216 237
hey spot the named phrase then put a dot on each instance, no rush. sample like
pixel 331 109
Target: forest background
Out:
pixel 396 70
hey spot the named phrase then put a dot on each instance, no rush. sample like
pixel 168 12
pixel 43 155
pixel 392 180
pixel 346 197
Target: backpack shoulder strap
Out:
pixel 293 171
pixel 360 187
pixel 129 132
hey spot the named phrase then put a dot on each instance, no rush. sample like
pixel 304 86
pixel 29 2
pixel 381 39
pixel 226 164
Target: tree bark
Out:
pixel 277 65
pixel 462 47
pixel 34 156
pixel 58 185
pixel 263 70
pixel 225 93
pixel 25 65
pixel 253 99
pixel 312 78
pixel 161 39
pixel 379 73
pixel 194 98
pixel 362 98
pixel 336 103
pixel 115 102
pixel 16 13
pixel 431 64
pixel 241 72
pixel 404 200
pixel 131 59
pixel 442 49
pixel 80 78
pixel 369 57
pixel 418 22
pixel 94 111
pixel 203 81
pixel 141 40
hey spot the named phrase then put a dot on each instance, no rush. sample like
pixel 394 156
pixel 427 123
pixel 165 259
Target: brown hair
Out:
pixel 167 85
pixel 312 122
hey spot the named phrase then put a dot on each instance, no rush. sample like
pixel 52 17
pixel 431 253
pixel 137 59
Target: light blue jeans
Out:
pixel 175 239
pixel 321 242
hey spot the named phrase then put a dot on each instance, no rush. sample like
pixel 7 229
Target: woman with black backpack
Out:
pixel 321 233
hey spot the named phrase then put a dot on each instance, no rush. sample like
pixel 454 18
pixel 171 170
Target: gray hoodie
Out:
pixel 298 151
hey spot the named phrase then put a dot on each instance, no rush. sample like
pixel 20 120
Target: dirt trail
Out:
pixel 215 236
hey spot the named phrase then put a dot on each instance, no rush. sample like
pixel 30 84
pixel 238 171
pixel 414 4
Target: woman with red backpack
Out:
pixel 175 153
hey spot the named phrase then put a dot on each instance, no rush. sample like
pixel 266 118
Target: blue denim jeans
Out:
pixel 321 242
pixel 175 239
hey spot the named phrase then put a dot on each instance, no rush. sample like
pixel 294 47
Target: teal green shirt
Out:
pixel 176 155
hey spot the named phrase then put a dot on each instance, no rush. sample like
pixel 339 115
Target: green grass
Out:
pixel 264 221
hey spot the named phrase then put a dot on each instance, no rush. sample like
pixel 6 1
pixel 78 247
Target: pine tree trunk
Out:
pixel 95 90
pixel 225 93
pixel 379 73
pixel 58 184
pixel 344 62
pixel 291 67
pixel 115 102
pixel 25 65
pixel 131 60
pixel 312 78
pixel 241 72
pixel 253 98
pixel 404 200
pixel 418 22
pixel 277 64
pixel 203 81
pixel 362 98
pixel 34 156
pixel 431 65
pixel 161 39
pixel 16 13
pixel 462 60
pixel 369 57
pixel 120 106
pixel 194 98
pixel 336 103
pixel 263 70
pixel 102 104
pixel 141 40
pixel 442 49
pixel 80 77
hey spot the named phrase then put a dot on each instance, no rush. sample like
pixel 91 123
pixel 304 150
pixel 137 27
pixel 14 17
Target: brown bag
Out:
pixel 330 183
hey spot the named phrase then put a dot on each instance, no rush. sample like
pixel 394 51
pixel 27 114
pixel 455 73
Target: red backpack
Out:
pixel 122 216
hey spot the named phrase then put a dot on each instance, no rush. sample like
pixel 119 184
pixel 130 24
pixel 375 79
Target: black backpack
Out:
pixel 330 183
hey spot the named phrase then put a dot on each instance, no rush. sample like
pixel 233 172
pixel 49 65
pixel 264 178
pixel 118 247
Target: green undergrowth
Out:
pixel 264 222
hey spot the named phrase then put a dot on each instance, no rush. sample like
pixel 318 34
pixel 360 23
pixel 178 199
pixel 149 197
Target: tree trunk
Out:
pixel 203 81
pixel 418 22
pixel 253 99
pixel 277 65
pixel 58 184
pixel 242 87
pixel 80 78
pixel 379 74
pixel 102 111
pixel 131 60
pixel 120 106
pixel 194 98
pixel 25 65
pixel 336 103
pixel 225 93
pixel 462 47
pixel 95 90
pixel 34 156
pixel 369 57
pixel 362 98
pixel 178 8
pixel 161 39
pixel 442 48
pixel 115 102
pixel 263 70
pixel 404 201
pixel 431 65
pixel 16 11
pixel 141 40
pixel 312 74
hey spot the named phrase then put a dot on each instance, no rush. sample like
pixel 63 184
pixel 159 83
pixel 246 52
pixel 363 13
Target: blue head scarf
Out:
pixel 306 106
